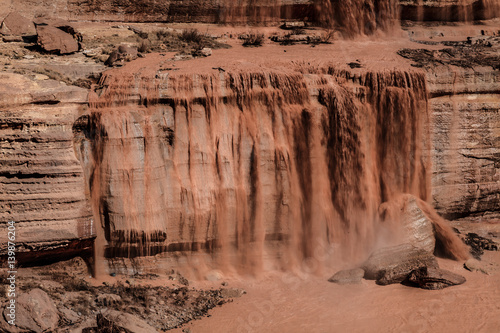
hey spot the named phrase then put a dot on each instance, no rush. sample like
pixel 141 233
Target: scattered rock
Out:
pixel 12 39
pixel 232 292
pixel 206 51
pixel 116 321
pixel 178 57
pixel 55 40
pixel 393 264
pixel 139 32
pixel 17 25
pixel 474 265
pixel 355 64
pixel 293 25
pixel 107 300
pixel 35 311
pixel 122 54
pixel 478 244
pixel 350 276
pixel 293 39
pixel 69 315
pixel 434 278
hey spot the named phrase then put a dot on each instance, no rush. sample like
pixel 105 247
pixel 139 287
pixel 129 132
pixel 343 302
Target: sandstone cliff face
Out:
pixel 465 108
pixel 344 13
pixel 42 187
pixel 449 10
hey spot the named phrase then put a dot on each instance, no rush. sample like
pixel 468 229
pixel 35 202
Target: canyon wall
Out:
pixel 42 186
pixel 465 108
pixel 344 14
pixel 449 10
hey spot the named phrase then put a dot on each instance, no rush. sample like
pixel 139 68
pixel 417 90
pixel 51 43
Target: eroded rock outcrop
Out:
pixel 393 264
pixel 449 10
pixel 42 187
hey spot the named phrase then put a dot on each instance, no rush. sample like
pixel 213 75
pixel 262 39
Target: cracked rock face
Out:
pixel 42 186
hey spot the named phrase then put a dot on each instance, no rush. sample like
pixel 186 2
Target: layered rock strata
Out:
pixel 42 187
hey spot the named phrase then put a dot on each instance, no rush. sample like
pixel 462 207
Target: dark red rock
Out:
pixel 60 24
pixel 55 40
pixel 434 278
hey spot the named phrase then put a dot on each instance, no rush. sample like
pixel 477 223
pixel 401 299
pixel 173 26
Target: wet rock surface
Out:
pixel 479 244
pixel 434 278
pixel 393 264
pixel 350 276
pixel 416 226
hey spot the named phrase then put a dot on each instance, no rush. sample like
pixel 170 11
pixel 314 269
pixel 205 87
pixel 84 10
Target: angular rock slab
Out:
pixel 52 39
pixel 349 276
pixel 434 278
pixel 35 312
pixel 17 25
pixel 393 264
pixel 123 321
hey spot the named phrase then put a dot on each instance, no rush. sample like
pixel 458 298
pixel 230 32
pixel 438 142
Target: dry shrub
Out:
pixel 192 36
pixel 327 37
pixel 253 39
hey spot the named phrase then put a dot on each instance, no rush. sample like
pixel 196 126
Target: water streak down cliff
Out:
pixel 234 161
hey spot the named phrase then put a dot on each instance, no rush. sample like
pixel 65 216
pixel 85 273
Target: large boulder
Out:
pixel 17 25
pixel 52 39
pixel 416 227
pixel 116 321
pixel 122 54
pixel 349 276
pixel 59 24
pixel 393 264
pixel 35 312
pixel 434 278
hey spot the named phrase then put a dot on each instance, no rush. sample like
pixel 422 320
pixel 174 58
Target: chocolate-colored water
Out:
pixel 260 168
pixel 352 17
pixel 241 164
